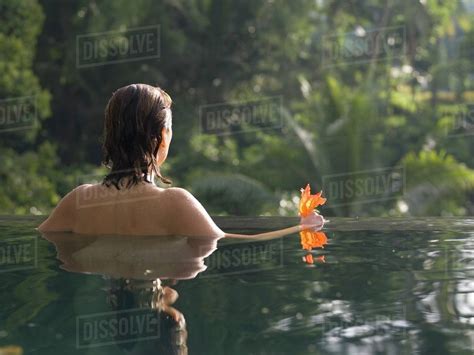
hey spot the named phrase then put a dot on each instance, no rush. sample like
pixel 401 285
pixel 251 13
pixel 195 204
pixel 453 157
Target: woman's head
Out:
pixel 137 134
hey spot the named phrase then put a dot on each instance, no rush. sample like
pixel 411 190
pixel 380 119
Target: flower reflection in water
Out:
pixel 313 239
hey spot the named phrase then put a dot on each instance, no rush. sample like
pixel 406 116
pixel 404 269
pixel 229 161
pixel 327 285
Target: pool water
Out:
pixel 380 286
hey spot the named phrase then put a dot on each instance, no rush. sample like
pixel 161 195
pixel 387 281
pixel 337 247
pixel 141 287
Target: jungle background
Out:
pixel 409 111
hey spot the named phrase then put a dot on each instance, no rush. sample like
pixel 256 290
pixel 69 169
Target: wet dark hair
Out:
pixel 134 118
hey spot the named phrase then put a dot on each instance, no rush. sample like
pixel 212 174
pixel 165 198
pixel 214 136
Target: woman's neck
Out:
pixel 148 178
pixel 151 177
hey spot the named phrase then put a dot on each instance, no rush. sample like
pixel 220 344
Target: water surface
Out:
pixel 384 287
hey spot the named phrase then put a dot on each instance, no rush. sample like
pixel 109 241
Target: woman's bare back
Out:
pixel 107 210
pixel 144 209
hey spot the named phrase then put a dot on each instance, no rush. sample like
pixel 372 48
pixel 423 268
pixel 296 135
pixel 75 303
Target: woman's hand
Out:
pixel 314 221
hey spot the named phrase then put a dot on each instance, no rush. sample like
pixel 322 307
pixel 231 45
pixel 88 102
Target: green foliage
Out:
pixel 436 183
pixel 233 193
pixel 26 186
pixel 340 118
pixel 21 24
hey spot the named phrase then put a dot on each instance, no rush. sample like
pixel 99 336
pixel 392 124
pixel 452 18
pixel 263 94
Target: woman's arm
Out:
pixel 190 218
pixel 267 235
pixel 315 221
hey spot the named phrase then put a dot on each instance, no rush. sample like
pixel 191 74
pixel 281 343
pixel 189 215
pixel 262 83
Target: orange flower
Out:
pixel 308 259
pixel 309 202
pixel 311 239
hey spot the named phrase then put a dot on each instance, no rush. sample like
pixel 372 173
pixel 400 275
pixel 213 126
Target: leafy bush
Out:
pixel 233 194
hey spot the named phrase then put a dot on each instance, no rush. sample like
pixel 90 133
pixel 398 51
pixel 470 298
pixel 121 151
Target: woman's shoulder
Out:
pixel 62 218
pixel 177 192
pixel 179 196
pixel 186 215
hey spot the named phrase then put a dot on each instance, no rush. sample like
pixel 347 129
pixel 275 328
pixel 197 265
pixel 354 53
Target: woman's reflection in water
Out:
pixel 140 272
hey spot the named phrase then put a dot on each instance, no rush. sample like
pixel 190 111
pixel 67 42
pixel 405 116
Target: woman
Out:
pixel 137 138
